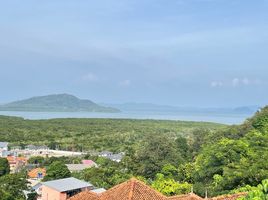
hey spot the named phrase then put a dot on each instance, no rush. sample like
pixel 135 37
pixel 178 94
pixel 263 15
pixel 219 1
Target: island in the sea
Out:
pixel 56 103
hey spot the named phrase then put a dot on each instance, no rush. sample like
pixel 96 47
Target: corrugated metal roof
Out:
pixel 67 184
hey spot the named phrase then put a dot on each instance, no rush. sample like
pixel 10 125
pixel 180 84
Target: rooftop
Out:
pixel 79 167
pixel 3 144
pixel 137 190
pixel 67 184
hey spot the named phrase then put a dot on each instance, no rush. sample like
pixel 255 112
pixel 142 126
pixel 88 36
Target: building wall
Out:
pixel 50 194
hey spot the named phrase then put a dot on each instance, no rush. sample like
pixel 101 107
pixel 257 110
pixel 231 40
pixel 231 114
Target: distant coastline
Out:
pixel 223 118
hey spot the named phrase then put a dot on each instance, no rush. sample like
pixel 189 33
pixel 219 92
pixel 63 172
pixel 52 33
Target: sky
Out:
pixel 202 53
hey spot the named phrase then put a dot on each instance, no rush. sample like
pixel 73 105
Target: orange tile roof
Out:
pixel 190 196
pixel 132 190
pixel 34 172
pixel 137 190
pixel 12 159
pixel 229 196
pixel 129 190
pixel 85 195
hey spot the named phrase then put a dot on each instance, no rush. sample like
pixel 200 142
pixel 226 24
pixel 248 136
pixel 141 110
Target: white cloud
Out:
pixel 125 83
pixel 245 82
pixel 90 77
pixel 236 82
pixel 216 84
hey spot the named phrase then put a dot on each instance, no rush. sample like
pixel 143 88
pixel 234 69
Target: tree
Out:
pixel 169 186
pixel 154 152
pixel 12 185
pixel 182 147
pixel 36 160
pixel 57 170
pixel 258 193
pixel 4 166
pixel 105 176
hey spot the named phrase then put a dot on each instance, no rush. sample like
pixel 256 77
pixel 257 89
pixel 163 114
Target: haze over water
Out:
pixel 224 118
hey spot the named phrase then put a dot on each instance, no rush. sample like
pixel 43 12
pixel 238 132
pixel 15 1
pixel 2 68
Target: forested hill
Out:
pixel 234 158
pixel 56 103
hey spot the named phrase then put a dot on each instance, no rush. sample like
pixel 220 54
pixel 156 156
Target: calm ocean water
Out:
pixel 224 118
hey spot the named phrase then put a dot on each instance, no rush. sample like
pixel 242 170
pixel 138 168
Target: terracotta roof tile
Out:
pixel 34 173
pixel 229 196
pixel 86 195
pixel 132 190
pixel 190 196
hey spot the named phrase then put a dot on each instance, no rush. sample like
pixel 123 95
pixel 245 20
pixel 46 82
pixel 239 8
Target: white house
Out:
pixel 3 149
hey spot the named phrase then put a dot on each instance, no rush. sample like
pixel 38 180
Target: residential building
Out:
pixel 16 163
pixel 37 173
pixel 137 190
pixel 79 167
pixel 63 189
pixel 3 149
pixel 110 155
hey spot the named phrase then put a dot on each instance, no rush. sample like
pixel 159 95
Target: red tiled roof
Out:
pixel 35 172
pixel 86 195
pixel 229 196
pixel 132 190
pixel 190 196
pixel 12 159
pixel 137 190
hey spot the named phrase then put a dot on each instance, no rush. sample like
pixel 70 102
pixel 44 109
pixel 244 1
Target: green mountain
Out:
pixel 56 103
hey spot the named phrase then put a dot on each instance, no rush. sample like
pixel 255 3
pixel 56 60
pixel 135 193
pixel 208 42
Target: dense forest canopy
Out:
pixel 93 134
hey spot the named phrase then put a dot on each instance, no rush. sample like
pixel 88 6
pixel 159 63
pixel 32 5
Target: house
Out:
pixel 79 167
pixel 89 162
pixel 63 189
pixel 37 173
pixel 31 147
pixel 105 153
pixel 116 157
pixel 129 190
pixel 3 149
pixel 110 155
pixel 137 190
pixel 38 189
pixel 16 163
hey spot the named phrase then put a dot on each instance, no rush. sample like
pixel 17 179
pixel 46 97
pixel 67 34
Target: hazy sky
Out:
pixel 177 52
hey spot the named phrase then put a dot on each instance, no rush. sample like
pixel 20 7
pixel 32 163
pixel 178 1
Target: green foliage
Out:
pixel 108 174
pixel 39 160
pixel 185 172
pixel 169 186
pixel 4 166
pixel 258 193
pixel 57 170
pixel 32 196
pixel 155 152
pixel 12 186
pixel 115 135
pixel 235 160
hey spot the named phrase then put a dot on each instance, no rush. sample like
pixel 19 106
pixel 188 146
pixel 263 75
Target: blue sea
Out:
pixel 224 118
